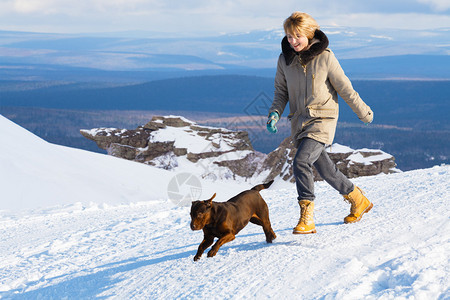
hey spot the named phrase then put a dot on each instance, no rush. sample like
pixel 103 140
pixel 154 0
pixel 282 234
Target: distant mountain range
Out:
pixel 364 53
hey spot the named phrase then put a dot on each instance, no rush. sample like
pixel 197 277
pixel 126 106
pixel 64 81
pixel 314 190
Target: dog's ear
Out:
pixel 209 201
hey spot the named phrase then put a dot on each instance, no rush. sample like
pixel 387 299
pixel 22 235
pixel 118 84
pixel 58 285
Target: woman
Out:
pixel 310 78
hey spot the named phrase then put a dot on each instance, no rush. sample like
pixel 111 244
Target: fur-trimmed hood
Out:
pixel 316 46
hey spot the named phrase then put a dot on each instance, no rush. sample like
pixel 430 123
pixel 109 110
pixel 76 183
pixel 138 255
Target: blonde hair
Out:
pixel 300 23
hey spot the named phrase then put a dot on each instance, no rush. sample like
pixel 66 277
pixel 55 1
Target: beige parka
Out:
pixel 311 82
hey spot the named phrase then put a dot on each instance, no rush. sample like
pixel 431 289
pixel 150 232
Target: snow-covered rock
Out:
pixel 174 142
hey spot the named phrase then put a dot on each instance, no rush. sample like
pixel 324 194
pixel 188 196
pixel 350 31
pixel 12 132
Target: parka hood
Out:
pixel 316 46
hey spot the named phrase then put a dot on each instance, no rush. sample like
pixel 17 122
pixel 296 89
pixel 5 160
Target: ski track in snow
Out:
pixel 400 249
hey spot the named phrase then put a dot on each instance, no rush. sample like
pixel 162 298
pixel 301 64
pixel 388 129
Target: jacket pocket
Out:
pixel 296 125
pixel 322 112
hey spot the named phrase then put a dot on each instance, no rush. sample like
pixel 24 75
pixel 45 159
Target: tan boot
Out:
pixel 360 205
pixel 306 223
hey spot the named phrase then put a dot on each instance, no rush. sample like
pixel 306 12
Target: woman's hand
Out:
pixel 273 119
pixel 368 118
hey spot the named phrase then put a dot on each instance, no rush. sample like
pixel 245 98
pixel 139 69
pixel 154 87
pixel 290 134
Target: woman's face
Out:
pixel 298 42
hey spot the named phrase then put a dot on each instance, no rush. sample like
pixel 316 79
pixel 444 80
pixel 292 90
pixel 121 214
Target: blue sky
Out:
pixel 198 17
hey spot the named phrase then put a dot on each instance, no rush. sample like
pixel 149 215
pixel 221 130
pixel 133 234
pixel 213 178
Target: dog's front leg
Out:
pixel 207 241
pixel 224 239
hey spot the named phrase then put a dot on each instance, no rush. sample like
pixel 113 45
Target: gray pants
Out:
pixel 309 153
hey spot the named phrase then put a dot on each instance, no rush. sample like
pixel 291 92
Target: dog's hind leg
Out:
pixel 268 231
pixel 263 217
pixel 264 222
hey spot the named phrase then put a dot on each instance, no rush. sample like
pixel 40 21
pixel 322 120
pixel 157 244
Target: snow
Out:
pixel 189 140
pixel 338 148
pixel 357 156
pixel 109 131
pixel 185 137
pixel 79 225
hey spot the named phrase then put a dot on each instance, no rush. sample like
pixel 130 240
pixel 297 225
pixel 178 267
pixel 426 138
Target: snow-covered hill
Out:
pixel 139 245
pixel 36 174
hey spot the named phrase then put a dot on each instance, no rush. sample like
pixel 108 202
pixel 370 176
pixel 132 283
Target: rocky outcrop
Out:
pixel 164 139
pixel 352 163
pixel 173 143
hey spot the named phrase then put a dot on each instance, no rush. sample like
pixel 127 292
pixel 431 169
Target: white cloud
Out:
pixel 206 16
pixel 438 5
pixel 39 7
pixel 70 7
pixel 383 37
pixel 414 21
pixel 23 6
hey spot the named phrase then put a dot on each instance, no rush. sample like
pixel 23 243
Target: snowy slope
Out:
pixel 35 174
pixel 144 249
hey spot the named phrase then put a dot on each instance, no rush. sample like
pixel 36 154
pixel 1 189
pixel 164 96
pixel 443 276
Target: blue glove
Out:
pixel 273 119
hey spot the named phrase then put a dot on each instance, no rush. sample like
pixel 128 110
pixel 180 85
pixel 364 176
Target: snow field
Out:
pixel 145 251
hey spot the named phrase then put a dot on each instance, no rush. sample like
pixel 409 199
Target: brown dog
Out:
pixel 225 219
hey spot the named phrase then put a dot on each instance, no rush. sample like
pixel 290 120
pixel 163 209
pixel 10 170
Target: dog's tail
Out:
pixel 262 186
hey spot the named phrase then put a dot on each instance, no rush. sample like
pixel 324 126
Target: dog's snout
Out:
pixel 193 227
pixel 196 225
